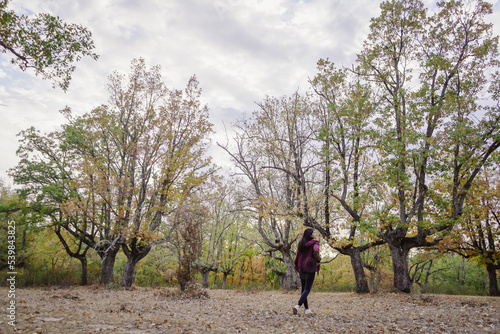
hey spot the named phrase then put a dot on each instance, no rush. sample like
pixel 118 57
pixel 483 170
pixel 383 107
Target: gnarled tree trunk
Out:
pixel 84 276
pixel 289 279
pixel 78 254
pixel 399 255
pixel 108 257
pixel 134 255
pixel 204 275
pixel 493 282
pixel 359 272
pixel 224 279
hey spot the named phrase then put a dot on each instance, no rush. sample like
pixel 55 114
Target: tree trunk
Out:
pixel 204 274
pixel 359 272
pixel 128 277
pixel 108 264
pixel 241 273
pixel 493 283
pixel 134 255
pixel 371 282
pixel 224 279
pixel 80 256
pixel 399 255
pixel 84 276
pixel 289 280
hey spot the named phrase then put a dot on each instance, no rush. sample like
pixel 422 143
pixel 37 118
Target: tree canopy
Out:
pixel 44 43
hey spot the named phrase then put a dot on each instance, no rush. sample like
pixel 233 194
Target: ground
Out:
pixel 154 310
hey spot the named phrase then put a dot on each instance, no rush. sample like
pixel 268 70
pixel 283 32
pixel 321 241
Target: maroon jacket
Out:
pixel 308 261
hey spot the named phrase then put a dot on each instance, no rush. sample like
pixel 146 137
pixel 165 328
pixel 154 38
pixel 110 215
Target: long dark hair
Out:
pixel 306 237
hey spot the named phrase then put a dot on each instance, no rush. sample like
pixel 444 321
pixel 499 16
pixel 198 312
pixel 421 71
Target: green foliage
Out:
pixel 49 265
pixel 250 274
pixel 455 275
pixel 14 236
pixel 336 276
pixel 434 131
pixel 44 43
pixel 157 269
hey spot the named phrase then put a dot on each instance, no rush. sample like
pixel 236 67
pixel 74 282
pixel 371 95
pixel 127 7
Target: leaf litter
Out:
pixel 157 310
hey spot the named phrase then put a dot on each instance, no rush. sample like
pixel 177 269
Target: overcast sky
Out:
pixel 240 51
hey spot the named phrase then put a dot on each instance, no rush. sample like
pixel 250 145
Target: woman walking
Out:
pixel 307 264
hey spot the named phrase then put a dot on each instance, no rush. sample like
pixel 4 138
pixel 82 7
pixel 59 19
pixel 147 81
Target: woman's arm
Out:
pixel 296 261
pixel 316 255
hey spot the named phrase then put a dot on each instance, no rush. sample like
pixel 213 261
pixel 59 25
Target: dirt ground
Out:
pixel 154 310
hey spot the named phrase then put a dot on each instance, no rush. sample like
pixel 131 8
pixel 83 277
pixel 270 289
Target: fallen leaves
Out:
pixel 147 310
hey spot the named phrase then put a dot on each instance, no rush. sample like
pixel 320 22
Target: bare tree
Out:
pixel 267 151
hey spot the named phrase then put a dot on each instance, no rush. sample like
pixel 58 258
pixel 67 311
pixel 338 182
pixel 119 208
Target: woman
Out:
pixel 307 264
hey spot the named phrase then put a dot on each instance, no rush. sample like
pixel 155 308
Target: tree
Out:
pixel 374 259
pixel 44 43
pixel 213 232
pixel 13 230
pixel 188 242
pixel 344 112
pixel 226 233
pixel 46 173
pixel 302 155
pixel 147 151
pixel 269 150
pixel 425 120
pixel 478 233
pixel 234 246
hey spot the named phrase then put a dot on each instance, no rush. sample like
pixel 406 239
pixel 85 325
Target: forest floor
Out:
pixel 95 309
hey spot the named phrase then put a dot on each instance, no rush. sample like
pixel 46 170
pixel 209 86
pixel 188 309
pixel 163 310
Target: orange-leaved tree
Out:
pixel 147 149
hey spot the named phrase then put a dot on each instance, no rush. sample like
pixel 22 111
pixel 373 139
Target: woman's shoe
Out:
pixel 296 309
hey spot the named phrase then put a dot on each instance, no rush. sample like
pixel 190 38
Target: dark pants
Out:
pixel 306 280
